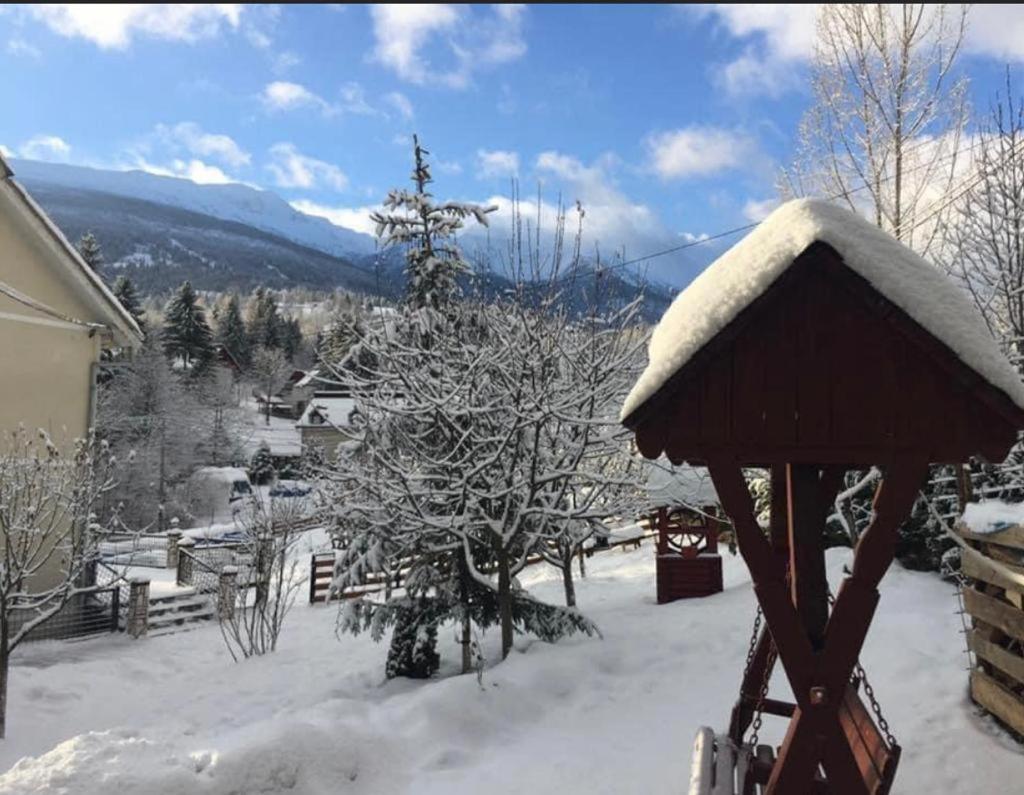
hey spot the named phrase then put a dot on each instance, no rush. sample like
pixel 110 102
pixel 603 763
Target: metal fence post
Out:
pixel 227 589
pixel 115 609
pixel 138 608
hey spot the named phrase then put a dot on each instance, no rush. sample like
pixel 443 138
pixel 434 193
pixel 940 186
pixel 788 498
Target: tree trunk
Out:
pixel 505 602
pixel 467 657
pixel 4 668
pixel 583 565
pixel 570 586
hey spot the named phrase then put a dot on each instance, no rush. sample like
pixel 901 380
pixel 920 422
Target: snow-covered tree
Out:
pixel 291 338
pixel 89 247
pixel 261 467
pixel 232 334
pixel 264 323
pixel 461 471
pixel 885 129
pixel 144 410
pixel 50 531
pixel 186 335
pixel 270 369
pixel 125 292
pixel 426 229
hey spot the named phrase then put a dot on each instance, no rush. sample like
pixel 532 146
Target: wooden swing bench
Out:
pixel 816 363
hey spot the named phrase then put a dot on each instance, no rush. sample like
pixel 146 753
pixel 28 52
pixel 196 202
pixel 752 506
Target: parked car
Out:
pixel 218 493
pixel 289 488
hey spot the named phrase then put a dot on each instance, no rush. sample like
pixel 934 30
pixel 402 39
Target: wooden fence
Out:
pixel 993 564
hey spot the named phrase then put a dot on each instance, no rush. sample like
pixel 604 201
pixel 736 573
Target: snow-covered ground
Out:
pixel 174 716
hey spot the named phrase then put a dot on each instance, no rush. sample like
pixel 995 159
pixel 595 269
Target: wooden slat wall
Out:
pixel 995 601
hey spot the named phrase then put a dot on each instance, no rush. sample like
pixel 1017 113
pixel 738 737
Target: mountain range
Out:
pixel 162 230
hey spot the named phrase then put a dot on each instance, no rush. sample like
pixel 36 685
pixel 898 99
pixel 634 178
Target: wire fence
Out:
pixel 201 567
pixel 83 615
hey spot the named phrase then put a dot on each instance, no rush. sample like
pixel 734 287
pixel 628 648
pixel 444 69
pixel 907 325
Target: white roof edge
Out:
pixel 744 272
pixel 123 322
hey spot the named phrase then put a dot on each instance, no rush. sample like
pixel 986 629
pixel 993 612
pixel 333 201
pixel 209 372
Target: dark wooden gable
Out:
pixel 823 368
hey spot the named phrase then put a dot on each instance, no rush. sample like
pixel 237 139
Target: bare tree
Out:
pixel 49 533
pixel 252 621
pixel 988 229
pixel 885 131
pixel 270 369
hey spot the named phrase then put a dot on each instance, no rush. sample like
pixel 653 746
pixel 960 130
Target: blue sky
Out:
pixel 665 122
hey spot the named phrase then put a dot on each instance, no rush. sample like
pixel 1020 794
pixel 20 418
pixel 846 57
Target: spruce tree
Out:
pixel 89 247
pixel 261 467
pixel 264 321
pixel 124 292
pixel 433 261
pixel 291 338
pixel 186 334
pixel 232 334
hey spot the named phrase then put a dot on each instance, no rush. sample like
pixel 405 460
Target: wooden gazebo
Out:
pixel 818 345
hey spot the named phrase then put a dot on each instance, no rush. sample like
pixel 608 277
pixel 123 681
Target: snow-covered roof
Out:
pixel 680 485
pixel 332 411
pixel 718 295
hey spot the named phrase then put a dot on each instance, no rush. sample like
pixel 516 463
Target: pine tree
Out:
pixel 89 247
pixel 264 321
pixel 186 334
pixel 232 334
pixel 434 263
pixel 261 467
pixel 124 291
pixel 291 338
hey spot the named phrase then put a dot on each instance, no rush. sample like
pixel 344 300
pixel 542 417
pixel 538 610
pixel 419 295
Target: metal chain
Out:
pixel 755 726
pixel 869 691
pixel 753 642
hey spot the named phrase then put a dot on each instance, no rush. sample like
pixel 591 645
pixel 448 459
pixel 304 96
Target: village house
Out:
pixel 326 422
pixel 56 318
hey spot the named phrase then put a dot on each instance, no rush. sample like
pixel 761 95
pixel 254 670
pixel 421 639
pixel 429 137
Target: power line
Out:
pixel 745 227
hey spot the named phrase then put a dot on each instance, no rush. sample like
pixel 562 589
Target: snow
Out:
pixel 280 435
pixel 992 516
pixel 174 716
pixel 669 485
pixel 749 268
pixel 333 411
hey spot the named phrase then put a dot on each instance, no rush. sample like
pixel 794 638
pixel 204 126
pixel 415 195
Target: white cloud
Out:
pixel 996 31
pixel 756 210
pixel 401 103
pixel 471 40
pixel 195 170
pixel 115 26
pixel 197 142
pixel 284 61
pixel 690 237
pixel 5 151
pixel 353 100
pixel 292 169
pixel 45 147
pixel 284 95
pixel 355 218
pixel 447 166
pixel 779 38
pixel 23 48
pixel 496 163
pixel 695 151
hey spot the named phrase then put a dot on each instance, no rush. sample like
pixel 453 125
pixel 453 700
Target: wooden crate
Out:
pixel 686 578
pixel 995 603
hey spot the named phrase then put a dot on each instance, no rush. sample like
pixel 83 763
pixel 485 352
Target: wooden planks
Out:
pixel 1006 661
pixel 1010 537
pixel 995 698
pixel 995 612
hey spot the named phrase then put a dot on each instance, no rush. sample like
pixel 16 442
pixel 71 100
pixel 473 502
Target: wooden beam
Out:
pixel 780 509
pixel 1010 537
pixel 978 567
pixel 808 582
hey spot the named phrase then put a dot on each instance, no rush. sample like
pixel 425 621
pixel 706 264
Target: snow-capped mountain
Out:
pixel 260 209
